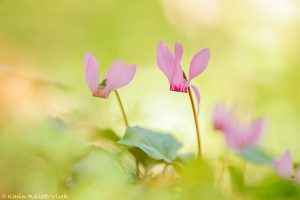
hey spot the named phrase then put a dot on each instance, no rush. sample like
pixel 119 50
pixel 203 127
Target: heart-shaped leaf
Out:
pixel 158 146
pixel 256 155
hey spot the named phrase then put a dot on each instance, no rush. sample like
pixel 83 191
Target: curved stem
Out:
pixel 164 170
pixel 122 109
pixel 195 120
pixel 222 171
pixel 137 169
pixel 127 125
pixel 243 169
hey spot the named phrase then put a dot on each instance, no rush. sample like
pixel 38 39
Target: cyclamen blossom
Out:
pixel 171 67
pixel 117 76
pixel 284 168
pixel 238 135
pixel 221 117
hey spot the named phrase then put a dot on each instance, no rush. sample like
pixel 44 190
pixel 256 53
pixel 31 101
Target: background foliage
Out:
pixel 48 115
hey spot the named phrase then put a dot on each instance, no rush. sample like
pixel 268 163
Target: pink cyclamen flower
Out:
pixel 242 136
pixel 221 117
pixel 171 67
pixel 284 167
pixel 238 135
pixel 117 76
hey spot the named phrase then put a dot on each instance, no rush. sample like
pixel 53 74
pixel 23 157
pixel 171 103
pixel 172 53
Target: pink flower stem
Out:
pixel 195 120
pixel 122 109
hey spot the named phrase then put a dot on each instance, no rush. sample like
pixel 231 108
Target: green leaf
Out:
pixel 275 188
pixel 156 145
pixel 181 160
pixel 197 173
pixel 237 177
pixel 108 134
pixel 256 155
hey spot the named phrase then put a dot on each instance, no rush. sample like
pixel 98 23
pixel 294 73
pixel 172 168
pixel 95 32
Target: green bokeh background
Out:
pixel 254 57
pixel 255 48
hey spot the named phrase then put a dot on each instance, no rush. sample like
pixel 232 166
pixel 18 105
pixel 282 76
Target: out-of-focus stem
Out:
pixel 164 170
pixel 127 125
pixel 122 109
pixel 195 120
pixel 137 169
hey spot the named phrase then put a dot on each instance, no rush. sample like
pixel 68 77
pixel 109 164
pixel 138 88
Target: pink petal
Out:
pixel 165 60
pixel 233 133
pixel 119 76
pixel 178 52
pixel 284 166
pixel 91 71
pixel 221 117
pixel 199 63
pixel 197 94
pixel 177 82
pixel 241 136
pixel 254 133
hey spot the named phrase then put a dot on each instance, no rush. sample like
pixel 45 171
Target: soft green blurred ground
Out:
pixel 254 63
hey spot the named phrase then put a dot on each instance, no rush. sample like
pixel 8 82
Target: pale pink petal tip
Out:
pixel 220 117
pixel 119 75
pixel 91 71
pixel 284 166
pixel 178 52
pixel 255 132
pixel 199 63
pixel 165 60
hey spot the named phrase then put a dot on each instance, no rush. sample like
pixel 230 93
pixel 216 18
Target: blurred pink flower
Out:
pixel 221 117
pixel 238 135
pixel 242 136
pixel 117 76
pixel 284 167
pixel 171 67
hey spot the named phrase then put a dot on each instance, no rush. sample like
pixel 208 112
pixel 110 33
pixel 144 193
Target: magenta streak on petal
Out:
pixel 103 93
pixel 177 82
pixel 177 79
pixel 284 165
pixel 91 72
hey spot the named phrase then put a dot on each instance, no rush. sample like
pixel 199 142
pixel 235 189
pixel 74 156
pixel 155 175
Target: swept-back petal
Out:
pixel 234 135
pixel 119 75
pixel 178 52
pixel 91 71
pixel 165 60
pixel 197 94
pixel 199 63
pixel 284 165
pixel 254 132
